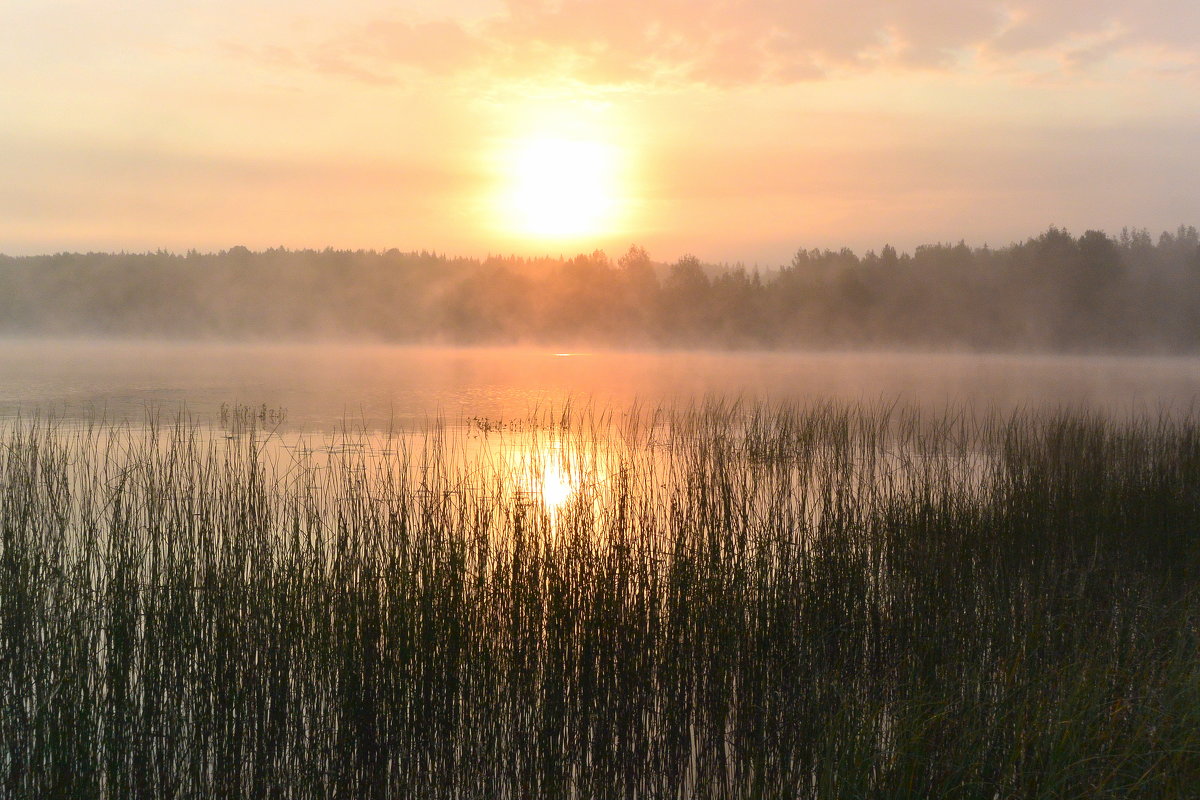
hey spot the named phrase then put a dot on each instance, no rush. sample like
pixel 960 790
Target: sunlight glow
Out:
pixel 560 188
pixel 546 474
pixel 556 486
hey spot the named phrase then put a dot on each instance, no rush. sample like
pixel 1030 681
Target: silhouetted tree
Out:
pixel 683 297
pixel 1053 290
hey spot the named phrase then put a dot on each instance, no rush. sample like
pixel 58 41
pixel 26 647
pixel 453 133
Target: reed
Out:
pixel 729 600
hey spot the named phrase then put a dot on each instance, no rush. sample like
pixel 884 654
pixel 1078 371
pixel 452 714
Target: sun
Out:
pixel 559 188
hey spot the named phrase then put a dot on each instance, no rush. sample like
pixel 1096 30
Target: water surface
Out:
pixel 374 386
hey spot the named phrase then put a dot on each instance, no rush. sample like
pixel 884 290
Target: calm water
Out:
pixel 323 386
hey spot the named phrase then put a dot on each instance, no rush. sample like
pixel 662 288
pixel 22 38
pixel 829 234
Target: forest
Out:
pixel 1053 292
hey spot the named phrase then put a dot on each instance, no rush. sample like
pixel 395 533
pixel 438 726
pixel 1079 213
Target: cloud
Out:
pixel 745 42
pixel 380 52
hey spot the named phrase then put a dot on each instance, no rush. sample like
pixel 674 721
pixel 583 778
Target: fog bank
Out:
pixel 1053 292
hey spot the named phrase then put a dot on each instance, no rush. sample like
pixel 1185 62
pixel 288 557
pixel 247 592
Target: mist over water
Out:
pixel 376 386
pixel 1051 293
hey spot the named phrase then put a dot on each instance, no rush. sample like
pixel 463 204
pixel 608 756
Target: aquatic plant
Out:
pixel 731 600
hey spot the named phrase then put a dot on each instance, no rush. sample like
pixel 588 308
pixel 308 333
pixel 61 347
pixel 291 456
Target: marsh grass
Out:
pixel 734 600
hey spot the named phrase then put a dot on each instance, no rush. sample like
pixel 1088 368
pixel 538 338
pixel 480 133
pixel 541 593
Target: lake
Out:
pixel 372 386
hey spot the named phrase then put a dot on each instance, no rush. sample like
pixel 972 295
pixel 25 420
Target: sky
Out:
pixel 735 130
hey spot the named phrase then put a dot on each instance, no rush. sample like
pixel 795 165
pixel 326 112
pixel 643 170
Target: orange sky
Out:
pixel 737 131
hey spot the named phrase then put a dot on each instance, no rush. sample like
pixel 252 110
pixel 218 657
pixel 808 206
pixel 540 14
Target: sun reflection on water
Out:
pixel 554 473
pixel 556 485
pixel 540 468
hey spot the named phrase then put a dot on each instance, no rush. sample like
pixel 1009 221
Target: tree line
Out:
pixel 1055 291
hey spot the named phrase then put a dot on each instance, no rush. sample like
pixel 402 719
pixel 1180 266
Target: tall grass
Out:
pixel 733 601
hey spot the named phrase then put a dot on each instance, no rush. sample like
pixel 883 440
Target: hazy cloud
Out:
pixel 717 42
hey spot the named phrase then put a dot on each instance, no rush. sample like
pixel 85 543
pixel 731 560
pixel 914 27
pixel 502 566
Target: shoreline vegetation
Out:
pixel 727 600
pixel 1055 292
